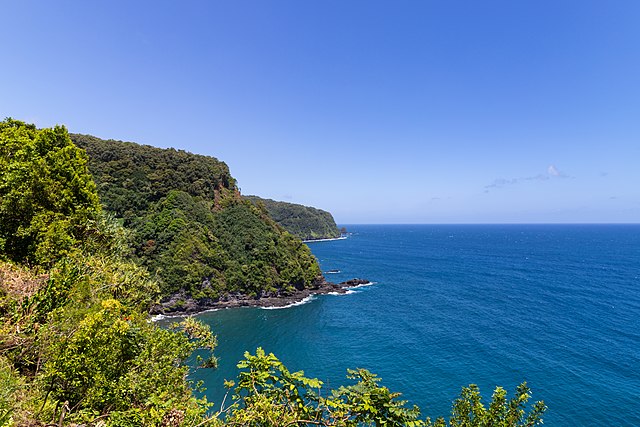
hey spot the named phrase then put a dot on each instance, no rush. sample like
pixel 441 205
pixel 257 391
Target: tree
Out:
pixel 268 394
pixel 113 361
pixel 192 229
pixel 469 411
pixel 48 201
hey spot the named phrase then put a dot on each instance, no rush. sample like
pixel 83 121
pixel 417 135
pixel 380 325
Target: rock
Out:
pixel 182 303
pixel 354 282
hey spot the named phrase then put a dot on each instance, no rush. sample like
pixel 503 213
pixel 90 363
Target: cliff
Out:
pixel 190 226
pixel 304 222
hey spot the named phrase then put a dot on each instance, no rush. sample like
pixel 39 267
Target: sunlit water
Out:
pixel 555 305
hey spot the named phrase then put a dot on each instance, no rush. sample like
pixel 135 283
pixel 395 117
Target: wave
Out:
pixel 360 286
pixel 349 292
pixel 210 310
pixel 293 304
pixel 324 240
pixel 159 317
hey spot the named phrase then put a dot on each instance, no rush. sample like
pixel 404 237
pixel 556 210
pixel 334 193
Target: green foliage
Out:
pixel 112 276
pixel 11 392
pixel 82 340
pixel 207 252
pixel 85 366
pixel 75 342
pixel 200 333
pixel 131 177
pixel 304 222
pixel 67 291
pixel 367 403
pixel 190 226
pixel 176 240
pixel 114 360
pixel 261 258
pixel 469 411
pixel 48 201
pixel 268 394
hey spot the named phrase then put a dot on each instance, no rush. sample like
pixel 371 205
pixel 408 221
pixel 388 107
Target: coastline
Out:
pixel 324 240
pixel 181 304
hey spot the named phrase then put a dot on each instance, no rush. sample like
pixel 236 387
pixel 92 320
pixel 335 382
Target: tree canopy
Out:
pixel 304 222
pixel 190 225
pixel 268 394
pixel 75 341
pixel 48 201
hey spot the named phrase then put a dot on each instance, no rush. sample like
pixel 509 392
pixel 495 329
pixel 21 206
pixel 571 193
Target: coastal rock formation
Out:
pixel 182 303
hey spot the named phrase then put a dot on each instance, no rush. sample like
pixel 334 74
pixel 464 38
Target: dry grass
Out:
pixel 18 283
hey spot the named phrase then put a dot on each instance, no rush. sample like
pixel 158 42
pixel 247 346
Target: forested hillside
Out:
pixel 191 228
pixel 304 222
pixel 76 346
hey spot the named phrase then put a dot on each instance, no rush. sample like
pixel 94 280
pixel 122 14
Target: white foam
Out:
pixel 304 301
pixel 360 286
pixel 159 317
pixel 324 240
pixel 349 292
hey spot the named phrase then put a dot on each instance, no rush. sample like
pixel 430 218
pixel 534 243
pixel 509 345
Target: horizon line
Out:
pixel 488 223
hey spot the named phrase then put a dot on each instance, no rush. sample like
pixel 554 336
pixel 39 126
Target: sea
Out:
pixel 557 306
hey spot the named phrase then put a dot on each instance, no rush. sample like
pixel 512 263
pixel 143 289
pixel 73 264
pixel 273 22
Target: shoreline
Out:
pixel 189 306
pixel 324 240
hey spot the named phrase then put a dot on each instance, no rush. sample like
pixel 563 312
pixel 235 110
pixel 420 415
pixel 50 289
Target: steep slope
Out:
pixel 305 222
pixel 191 228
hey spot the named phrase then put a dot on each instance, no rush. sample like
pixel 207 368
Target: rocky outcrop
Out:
pixel 182 303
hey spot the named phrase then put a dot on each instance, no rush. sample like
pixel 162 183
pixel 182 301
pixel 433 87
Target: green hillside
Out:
pixel 305 222
pixel 190 226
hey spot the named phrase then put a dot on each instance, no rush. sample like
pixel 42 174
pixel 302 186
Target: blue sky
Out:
pixel 380 112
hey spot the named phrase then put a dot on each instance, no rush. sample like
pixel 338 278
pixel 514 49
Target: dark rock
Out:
pixel 354 282
pixel 182 303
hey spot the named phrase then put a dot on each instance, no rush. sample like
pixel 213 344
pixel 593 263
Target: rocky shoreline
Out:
pixel 181 303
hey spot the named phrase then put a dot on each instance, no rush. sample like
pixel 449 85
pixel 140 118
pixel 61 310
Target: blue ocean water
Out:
pixel 555 305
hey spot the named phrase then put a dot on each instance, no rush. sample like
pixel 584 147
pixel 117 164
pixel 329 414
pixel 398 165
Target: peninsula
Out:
pixel 204 242
pixel 304 222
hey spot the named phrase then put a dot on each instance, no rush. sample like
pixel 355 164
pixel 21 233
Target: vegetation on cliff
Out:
pixel 76 344
pixel 191 228
pixel 304 222
pixel 49 205
pixel 75 341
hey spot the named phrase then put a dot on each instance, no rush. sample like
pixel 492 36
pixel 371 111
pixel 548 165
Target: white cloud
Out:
pixel 552 172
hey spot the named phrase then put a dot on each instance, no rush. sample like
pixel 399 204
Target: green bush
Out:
pixel 48 200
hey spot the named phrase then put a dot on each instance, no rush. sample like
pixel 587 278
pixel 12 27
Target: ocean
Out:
pixel 450 305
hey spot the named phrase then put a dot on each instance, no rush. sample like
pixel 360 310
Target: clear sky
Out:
pixel 380 112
